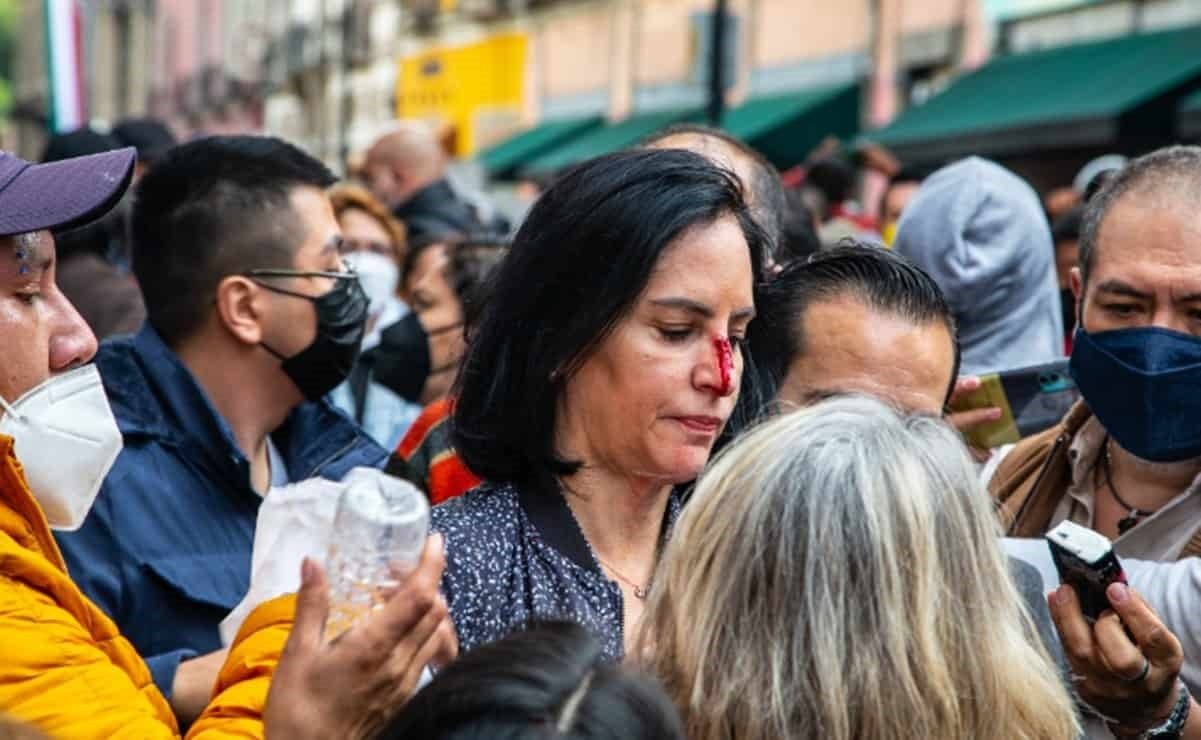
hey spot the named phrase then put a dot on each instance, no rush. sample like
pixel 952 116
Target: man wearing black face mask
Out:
pixel 252 319
pixel 1127 460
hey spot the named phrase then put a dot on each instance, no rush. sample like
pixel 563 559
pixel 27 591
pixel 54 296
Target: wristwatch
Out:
pixel 1171 727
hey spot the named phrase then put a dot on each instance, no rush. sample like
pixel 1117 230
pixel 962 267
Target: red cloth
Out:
pixel 427 452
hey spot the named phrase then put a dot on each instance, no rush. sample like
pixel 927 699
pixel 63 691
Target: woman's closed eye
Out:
pixel 676 334
pixel 29 296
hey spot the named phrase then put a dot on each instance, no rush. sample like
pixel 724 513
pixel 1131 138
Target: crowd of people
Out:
pixel 687 434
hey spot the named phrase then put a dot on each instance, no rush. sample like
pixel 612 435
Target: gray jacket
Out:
pixel 980 232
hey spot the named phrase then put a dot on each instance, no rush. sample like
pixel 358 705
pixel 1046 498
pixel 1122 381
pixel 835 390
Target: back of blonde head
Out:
pixel 838 575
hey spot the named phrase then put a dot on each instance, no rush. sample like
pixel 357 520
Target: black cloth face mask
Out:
pixel 341 321
pixel 402 359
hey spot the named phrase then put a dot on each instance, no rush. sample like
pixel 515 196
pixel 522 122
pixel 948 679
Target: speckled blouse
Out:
pixel 514 556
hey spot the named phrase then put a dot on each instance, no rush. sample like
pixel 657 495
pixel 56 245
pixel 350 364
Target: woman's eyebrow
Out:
pixel 696 307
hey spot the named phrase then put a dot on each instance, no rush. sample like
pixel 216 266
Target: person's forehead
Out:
pixel 23 256
pixel 1149 230
pixel 707 259
pixel 847 341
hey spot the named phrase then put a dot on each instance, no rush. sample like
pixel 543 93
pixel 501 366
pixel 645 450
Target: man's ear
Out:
pixel 240 308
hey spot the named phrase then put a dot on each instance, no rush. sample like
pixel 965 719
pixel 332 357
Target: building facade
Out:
pixel 331 74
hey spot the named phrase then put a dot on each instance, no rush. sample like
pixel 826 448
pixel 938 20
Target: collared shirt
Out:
pixel 165 550
pixel 513 556
pixel 1160 536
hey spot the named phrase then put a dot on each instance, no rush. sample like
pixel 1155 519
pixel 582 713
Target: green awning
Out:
pixel 502 160
pixel 609 138
pixel 1091 94
pixel 787 127
pixel 1190 116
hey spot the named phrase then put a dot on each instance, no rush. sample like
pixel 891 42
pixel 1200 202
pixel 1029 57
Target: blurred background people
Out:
pixel 597 378
pixel 375 247
pixel 798 231
pixel 406 170
pixel 547 681
pixel 980 232
pixel 834 179
pixel 448 295
pixel 149 136
pixel 419 355
pixel 897 195
pixel 756 634
pixel 89 256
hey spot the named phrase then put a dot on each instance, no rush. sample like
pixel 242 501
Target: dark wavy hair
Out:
pixel 545 682
pixel 575 269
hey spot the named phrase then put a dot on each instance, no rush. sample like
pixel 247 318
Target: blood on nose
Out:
pixel 725 364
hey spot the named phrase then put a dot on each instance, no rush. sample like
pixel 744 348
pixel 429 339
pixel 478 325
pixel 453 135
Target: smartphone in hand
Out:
pixel 1031 399
pixel 1085 559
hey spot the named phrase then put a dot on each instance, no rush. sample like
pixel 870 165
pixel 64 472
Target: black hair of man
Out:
pixel 546 681
pixel 880 278
pixel 577 266
pixel 770 202
pixel 212 208
pixel 1173 172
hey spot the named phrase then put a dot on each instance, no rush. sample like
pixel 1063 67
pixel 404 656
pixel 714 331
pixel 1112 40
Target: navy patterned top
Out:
pixel 513 556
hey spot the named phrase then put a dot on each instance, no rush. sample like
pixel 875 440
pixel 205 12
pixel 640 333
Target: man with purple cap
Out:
pixel 65 667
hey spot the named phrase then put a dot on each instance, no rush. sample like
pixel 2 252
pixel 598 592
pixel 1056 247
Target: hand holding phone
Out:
pixel 1085 560
pixel 1030 400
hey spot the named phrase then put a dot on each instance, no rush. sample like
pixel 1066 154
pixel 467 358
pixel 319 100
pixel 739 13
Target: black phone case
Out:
pixel 1039 396
pixel 1089 579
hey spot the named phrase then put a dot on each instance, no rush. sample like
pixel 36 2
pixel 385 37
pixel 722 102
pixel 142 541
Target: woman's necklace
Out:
pixel 1126 523
pixel 639 591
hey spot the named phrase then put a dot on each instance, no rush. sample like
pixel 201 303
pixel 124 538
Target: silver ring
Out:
pixel 1141 674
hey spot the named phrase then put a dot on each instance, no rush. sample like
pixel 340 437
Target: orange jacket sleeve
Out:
pixel 236 710
pixel 56 676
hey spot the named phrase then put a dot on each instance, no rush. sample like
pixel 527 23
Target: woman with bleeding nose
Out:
pixel 602 367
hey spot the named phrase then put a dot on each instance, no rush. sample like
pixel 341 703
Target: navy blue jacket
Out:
pixel 166 548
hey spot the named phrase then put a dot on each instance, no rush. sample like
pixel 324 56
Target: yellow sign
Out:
pixel 476 88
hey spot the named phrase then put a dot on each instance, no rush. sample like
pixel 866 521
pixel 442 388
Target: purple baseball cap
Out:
pixel 62 194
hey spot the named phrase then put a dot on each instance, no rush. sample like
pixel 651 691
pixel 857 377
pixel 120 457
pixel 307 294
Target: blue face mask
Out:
pixel 1144 385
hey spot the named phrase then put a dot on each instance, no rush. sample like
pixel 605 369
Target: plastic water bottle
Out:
pixel 379 532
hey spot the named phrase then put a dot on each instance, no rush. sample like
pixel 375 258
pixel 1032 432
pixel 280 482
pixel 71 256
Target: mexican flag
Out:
pixel 64 63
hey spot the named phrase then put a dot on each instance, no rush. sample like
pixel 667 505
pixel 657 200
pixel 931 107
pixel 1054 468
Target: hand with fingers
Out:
pixel 1126 666
pixel 350 687
pixel 965 420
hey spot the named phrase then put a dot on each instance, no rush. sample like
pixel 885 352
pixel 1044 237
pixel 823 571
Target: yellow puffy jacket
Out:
pixel 66 669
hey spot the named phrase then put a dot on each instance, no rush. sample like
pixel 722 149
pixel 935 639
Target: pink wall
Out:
pixel 189 38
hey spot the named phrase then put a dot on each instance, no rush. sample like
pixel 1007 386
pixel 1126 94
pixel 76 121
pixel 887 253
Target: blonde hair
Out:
pixel 345 196
pixel 838 574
